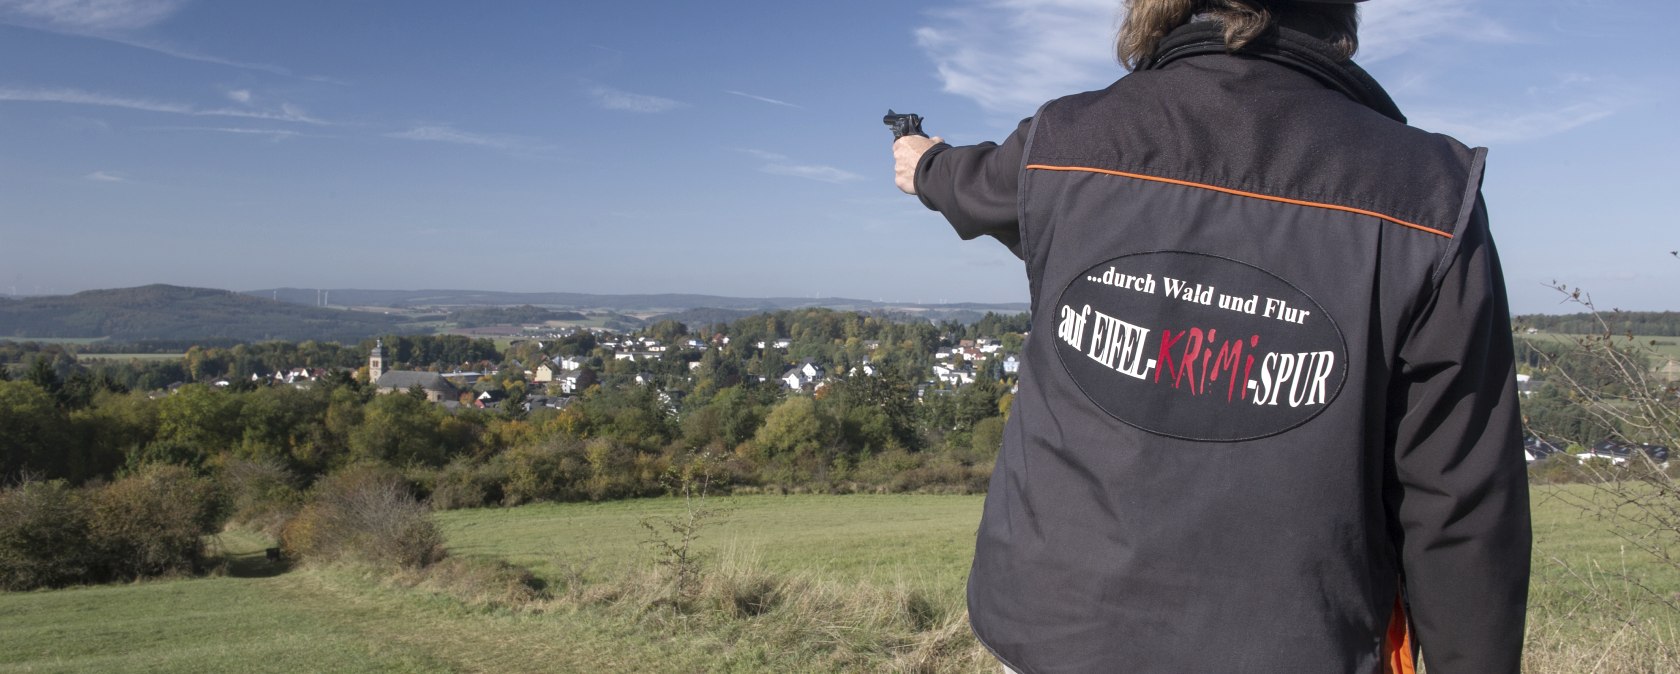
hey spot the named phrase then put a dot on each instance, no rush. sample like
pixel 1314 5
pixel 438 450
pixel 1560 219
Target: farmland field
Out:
pixel 1660 346
pixel 900 551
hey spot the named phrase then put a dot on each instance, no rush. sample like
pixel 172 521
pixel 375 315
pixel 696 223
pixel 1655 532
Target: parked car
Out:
pixel 1536 448
pixel 1619 452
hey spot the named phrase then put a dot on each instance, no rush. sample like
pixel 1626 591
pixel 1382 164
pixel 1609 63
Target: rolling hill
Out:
pixel 665 302
pixel 164 312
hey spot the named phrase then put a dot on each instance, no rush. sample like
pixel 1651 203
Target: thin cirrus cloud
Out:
pixel 1575 100
pixel 122 22
pixel 1389 29
pixel 105 177
pixel 781 165
pixel 275 135
pixel 615 99
pixel 286 113
pixel 763 99
pixel 89 15
pixel 443 133
pixel 1489 127
pixel 1010 56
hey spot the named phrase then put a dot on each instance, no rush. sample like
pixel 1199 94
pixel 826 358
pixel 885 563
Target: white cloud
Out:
pixel 105 177
pixel 827 174
pixel 192 55
pixel 288 113
pixel 1010 56
pixel 614 99
pixel 121 22
pixel 79 97
pixel 89 15
pixel 1494 126
pixel 1524 113
pixel 439 133
pixel 781 165
pixel 240 96
pixel 1389 29
pixel 272 134
pixel 771 101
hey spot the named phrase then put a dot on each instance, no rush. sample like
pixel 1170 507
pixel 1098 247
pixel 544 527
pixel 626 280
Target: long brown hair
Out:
pixel 1148 21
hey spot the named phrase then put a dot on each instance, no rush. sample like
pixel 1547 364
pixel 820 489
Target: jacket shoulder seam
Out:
pixel 1466 210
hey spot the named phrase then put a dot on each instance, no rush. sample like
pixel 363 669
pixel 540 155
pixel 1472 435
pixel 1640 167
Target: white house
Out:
pixel 810 369
pixel 569 381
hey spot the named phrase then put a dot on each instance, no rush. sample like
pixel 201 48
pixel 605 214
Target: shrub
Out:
pixel 939 472
pixel 554 470
pixel 153 523
pixel 43 537
pixel 464 484
pixel 365 513
pixel 260 493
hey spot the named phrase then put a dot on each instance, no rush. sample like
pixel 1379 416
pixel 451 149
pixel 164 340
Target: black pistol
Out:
pixel 907 124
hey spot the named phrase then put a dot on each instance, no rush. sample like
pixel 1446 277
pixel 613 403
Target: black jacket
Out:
pixel 1267 412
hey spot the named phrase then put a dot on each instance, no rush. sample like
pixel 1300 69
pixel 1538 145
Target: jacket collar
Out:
pixel 1282 45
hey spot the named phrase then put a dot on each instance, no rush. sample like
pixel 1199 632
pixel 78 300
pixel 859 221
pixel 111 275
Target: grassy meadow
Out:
pixel 788 583
pixel 896 539
pixel 1660 346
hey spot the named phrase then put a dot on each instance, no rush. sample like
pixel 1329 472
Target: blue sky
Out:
pixel 729 148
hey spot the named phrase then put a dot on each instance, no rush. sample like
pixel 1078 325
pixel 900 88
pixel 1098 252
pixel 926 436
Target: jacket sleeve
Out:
pixel 1460 491
pixel 976 186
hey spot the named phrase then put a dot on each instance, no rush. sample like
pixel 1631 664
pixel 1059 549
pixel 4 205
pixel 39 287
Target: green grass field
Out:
pixel 920 540
pixel 1659 346
pixel 891 548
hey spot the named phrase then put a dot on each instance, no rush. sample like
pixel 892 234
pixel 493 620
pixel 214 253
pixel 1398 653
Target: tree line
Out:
pixel 61 419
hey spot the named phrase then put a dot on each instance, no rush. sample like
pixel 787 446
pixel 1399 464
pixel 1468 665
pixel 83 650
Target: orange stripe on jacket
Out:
pixel 1240 193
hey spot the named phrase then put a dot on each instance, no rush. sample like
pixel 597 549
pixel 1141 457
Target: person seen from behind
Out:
pixel 1267 418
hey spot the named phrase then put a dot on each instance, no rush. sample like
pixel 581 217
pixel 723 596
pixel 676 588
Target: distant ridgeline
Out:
pixel 162 315
pixel 660 302
pixel 1642 323
pixel 167 313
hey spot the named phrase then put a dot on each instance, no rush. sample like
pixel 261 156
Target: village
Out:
pixel 546 367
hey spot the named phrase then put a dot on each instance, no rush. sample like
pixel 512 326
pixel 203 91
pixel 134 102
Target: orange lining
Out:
pixel 1241 193
pixel 1397 644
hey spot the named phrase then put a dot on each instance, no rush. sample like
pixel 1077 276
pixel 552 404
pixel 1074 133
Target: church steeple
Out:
pixel 376 361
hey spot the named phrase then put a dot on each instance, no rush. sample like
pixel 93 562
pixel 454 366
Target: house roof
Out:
pixel 406 379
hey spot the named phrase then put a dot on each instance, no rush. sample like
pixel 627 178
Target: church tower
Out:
pixel 376 361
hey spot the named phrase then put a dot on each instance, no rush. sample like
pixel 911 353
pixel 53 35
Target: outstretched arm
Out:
pixel 976 187
pixel 1462 501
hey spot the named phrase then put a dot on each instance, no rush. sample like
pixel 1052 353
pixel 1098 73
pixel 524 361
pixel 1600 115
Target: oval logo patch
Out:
pixel 1198 347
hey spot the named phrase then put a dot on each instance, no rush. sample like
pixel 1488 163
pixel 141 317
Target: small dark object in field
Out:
pixel 273 554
